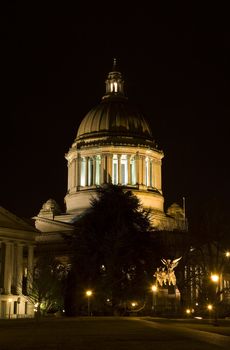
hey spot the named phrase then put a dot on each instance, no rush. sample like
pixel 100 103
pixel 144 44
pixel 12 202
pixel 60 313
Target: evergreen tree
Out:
pixel 112 251
pixel 45 286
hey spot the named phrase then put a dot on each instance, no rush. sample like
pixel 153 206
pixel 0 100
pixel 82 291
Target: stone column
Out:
pixel 86 171
pixel 76 172
pixel 30 266
pixel 158 175
pixel 119 168
pixel 137 167
pixel 71 174
pixel 140 171
pixel 149 172
pixel 68 185
pixel 128 169
pixel 89 171
pixel 94 170
pixel 144 171
pixel 8 268
pixel 80 160
pixel 102 170
pixel 154 174
pixel 19 268
pixel 160 182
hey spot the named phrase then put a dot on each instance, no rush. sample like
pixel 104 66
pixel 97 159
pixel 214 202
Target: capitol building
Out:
pixel 114 144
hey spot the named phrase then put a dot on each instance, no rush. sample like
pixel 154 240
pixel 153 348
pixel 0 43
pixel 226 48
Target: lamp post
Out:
pixel 154 302
pixel 209 307
pixel 215 279
pixel 89 294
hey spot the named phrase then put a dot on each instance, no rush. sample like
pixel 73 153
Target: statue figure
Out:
pixel 163 276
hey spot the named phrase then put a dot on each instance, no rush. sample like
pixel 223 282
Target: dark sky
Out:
pixel 54 62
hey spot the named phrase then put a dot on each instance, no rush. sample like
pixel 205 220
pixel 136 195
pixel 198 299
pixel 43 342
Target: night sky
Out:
pixel 54 62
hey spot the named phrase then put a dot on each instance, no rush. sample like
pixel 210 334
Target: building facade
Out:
pixel 17 243
pixel 113 144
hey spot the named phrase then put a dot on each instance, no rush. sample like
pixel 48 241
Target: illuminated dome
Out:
pixel 114 120
pixel 114 144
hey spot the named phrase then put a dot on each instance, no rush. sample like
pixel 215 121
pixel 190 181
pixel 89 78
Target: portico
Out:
pixel 17 242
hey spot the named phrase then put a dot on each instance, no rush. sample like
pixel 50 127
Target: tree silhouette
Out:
pixel 45 286
pixel 113 252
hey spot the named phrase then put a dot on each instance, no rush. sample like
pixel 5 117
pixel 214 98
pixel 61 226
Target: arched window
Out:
pixel 114 87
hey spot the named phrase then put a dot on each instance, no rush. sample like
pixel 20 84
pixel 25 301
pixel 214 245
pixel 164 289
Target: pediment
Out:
pixel 11 221
pixel 45 225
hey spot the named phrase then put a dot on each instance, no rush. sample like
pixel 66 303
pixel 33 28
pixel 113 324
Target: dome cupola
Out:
pixel 115 120
pixel 114 83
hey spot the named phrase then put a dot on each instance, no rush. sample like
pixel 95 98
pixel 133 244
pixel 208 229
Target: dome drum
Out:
pixel 79 201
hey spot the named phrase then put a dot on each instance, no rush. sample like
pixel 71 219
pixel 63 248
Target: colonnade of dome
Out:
pixel 119 169
pixel 126 166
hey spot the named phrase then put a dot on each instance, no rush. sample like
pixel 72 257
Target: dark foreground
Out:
pixel 111 333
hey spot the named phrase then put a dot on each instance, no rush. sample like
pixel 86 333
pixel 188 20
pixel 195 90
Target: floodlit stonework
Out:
pixel 17 243
pixel 114 144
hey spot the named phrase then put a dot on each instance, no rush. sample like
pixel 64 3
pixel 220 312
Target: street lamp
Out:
pixel 89 293
pixel 154 290
pixel 215 278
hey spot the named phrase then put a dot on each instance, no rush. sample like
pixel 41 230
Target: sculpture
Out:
pixel 163 276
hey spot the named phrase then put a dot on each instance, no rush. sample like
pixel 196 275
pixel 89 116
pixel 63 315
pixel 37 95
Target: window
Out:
pixel 113 87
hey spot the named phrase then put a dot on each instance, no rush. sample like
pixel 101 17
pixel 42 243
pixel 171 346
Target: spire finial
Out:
pixel 114 65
